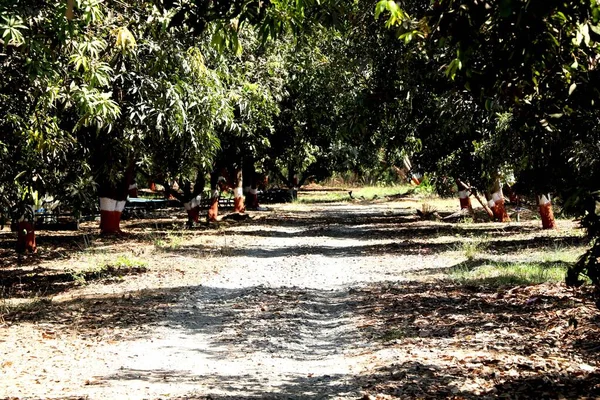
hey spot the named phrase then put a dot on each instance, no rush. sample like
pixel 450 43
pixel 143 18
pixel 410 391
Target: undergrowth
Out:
pixel 368 193
pixel 172 241
pixel 508 274
pixel 111 269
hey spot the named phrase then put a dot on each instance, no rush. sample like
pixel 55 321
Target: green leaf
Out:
pixel 572 88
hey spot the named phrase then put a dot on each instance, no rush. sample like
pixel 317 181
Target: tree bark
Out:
pixel 546 212
pixel 192 198
pixel 213 210
pixel 463 195
pixel 251 190
pixel 238 192
pixel 113 200
pixel 69 13
pixel 497 201
pixel 26 232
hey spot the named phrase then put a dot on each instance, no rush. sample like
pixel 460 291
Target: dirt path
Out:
pixel 288 306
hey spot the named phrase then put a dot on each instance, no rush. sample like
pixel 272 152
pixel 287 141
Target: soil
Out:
pixel 336 301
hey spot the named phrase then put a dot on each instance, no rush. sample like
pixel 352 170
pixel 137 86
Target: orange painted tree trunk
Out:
pixel 133 191
pixel 213 210
pixel 238 192
pixel 110 214
pixel 26 232
pixel 496 203
pixel 192 198
pixel 463 195
pixel 465 200
pixel 112 202
pixel 546 212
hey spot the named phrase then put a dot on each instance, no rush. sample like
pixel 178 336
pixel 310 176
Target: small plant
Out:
pixel 172 241
pixel 426 187
pixel 226 250
pixel 124 262
pixel 509 274
pixel 87 242
pixel 122 265
pixel 428 212
pixel 472 248
pixel 4 309
pixel 393 334
pixel 79 277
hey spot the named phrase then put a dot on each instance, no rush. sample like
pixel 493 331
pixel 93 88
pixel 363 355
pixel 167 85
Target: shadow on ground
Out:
pixel 46 282
pixel 310 326
pixel 403 247
pixel 415 380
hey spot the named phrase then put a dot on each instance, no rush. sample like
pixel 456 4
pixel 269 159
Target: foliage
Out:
pixel 531 66
pixel 498 274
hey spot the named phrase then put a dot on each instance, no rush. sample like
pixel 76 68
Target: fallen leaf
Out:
pixel 48 334
pixel 587 368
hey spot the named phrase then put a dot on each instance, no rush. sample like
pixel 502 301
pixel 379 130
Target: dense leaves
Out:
pixel 533 67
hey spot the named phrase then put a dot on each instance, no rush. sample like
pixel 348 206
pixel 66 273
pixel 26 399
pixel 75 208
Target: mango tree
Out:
pixel 535 63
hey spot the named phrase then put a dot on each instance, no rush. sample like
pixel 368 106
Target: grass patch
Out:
pixel 393 334
pixel 110 270
pixel 377 192
pixel 323 197
pixel 473 248
pixel 172 241
pixel 365 193
pixel 476 272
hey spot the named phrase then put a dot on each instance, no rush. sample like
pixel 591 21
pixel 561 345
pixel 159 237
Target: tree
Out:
pixel 542 81
pixel 38 47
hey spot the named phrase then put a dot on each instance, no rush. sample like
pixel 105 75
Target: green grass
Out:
pixel 323 197
pixel 110 269
pixel 172 241
pixel 472 249
pixel 393 334
pixel 365 193
pixel 479 272
pixel 126 262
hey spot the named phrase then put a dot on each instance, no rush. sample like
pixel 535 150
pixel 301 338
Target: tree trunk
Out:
pixel 465 200
pixel 193 210
pixel 110 215
pixel 294 188
pixel 133 191
pixel 463 195
pixel 213 211
pixel 251 191
pixel 238 192
pixel 69 12
pixel 113 200
pixel 26 233
pixel 497 200
pixel 193 198
pixel 546 212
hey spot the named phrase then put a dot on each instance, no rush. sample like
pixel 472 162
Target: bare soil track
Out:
pixel 341 301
